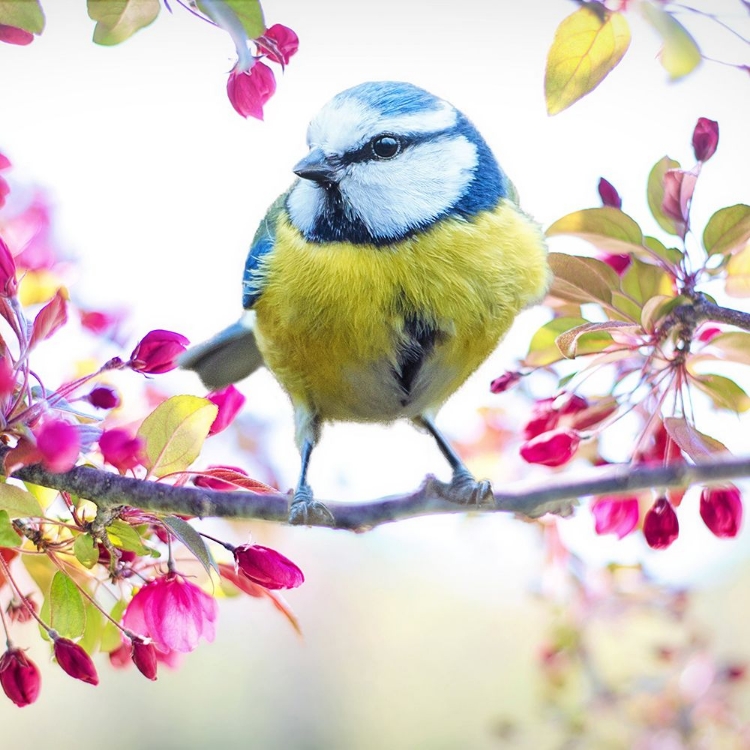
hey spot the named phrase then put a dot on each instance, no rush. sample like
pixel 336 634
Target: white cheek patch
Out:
pixel 305 203
pixel 394 197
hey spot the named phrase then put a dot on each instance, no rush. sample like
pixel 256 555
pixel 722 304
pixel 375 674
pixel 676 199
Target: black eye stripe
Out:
pixel 366 151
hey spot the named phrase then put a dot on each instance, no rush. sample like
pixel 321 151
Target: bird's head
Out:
pixel 387 160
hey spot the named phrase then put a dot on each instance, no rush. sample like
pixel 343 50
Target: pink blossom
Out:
pixel 230 401
pixel 8 281
pixel 7 376
pixel 721 510
pixel 4 190
pixel 58 444
pixel 121 450
pixel 19 677
pixel 504 382
pixel 552 448
pixel 100 322
pixel 249 90
pixel 608 194
pixel 615 515
pixel 157 352
pixel 660 526
pixel 75 661
pixel 13 35
pixel 267 567
pixel 120 658
pixel 279 43
pixel 174 613
pixel 705 138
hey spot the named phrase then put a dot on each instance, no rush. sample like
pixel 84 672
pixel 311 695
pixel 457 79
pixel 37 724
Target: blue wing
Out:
pixel 263 242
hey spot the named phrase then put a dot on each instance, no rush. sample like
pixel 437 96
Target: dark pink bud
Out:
pixel 103 397
pixel 279 43
pixel 58 443
pixel 544 417
pixel 13 35
pixel 267 567
pixel 99 322
pixel 619 262
pixel 705 138
pixel 505 381
pixel 573 404
pixel 75 661
pixel 19 677
pixel 4 190
pixel 721 510
pixel 144 657
pixel 8 282
pixel 4 162
pixel 608 194
pixel 121 658
pixel 230 401
pixel 552 448
pixel 660 527
pixel 7 377
pixel 20 610
pixel 249 90
pixel 157 352
pixel 121 450
pixel 614 515
pixel 708 333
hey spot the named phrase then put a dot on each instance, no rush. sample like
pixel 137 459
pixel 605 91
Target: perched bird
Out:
pixel 384 276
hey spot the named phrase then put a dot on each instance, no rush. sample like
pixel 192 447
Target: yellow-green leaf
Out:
pixel 67 613
pixel 724 392
pixel 22 14
pixel 174 433
pixel 670 255
pixel 117 20
pixel 543 349
pixel 8 536
pixel 250 14
pixel 607 228
pixel 727 230
pixel 92 633
pixel 680 54
pixel 111 637
pixel 655 191
pixel 589 337
pixel 697 445
pixel 588 44
pixel 582 280
pixel 19 503
pixel 125 537
pixel 193 541
pixel 86 551
pixel 642 281
pixel 737 282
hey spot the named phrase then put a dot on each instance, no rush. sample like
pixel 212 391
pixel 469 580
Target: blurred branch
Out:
pixel 550 495
pixel 706 310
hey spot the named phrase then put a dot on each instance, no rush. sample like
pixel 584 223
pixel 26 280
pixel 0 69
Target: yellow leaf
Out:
pixel 588 44
pixel 680 54
pixel 738 274
pixel 19 503
pixel 37 287
pixel 45 495
pixel 174 433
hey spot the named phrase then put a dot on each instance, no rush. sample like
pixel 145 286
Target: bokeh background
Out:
pixel 466 632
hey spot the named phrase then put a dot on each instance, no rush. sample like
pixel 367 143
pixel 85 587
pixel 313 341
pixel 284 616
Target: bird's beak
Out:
pixel 316 167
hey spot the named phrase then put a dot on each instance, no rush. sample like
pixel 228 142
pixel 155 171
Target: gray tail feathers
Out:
pixel 226 358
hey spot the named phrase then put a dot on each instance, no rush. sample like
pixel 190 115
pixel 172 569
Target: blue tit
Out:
pixel 384 276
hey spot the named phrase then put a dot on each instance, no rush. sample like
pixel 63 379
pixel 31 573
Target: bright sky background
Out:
pixel 158 184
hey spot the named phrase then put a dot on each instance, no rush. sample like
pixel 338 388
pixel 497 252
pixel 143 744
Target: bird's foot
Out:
pixel 466 490
pixel 306 511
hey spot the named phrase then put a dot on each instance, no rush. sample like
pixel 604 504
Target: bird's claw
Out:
pixel 306 511
pixel 466 490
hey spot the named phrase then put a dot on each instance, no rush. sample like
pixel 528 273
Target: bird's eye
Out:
pixel 385 146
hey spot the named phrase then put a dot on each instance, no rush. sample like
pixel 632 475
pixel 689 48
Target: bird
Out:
pixel 384 276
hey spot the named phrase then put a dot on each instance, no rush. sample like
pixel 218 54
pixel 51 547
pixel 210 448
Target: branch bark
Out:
pixel 706 310
pixel 552 495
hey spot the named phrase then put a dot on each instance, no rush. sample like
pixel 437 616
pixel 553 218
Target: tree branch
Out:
pixel 706 310
pixel 551 495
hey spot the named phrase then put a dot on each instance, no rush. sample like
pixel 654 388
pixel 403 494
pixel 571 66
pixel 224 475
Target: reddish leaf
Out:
pixel 51 317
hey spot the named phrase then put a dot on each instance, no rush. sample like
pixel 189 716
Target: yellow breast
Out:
pixel 331 316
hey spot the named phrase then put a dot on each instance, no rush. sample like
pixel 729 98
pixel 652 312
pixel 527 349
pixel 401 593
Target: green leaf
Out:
pixel 607 228
pixel 543 349
pixel 86 551
pixel 117 20
pixel 67 615
pixel 174 433
pixel 695 444
pixel 193 541
pixel 725 393
pixel 680 54
pixel 727 230
pixel 670 255
pixel 251 16
pixel 589 337
pixel 737 283
pixel 733 346
pixel 642 281
pixel 22 14
pixel 626 308
pixel 111 637
pixel 656 309
pixel 582 280
pixel 18 502
pixel 588 44
pixel 8 536
pixel 655 190
pixel 125 537
pixel 92 633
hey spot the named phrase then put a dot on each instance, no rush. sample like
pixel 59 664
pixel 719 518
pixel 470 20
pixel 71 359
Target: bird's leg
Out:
pixel 305 509
pixel 463 487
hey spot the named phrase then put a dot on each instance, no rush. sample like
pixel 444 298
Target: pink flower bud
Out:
pixel 614 515
pixel 75 661
pixel 7 376
pixel 279 43
pixel 660 527
pixel 4 190
pixel 19 677
pixel 721 510
pixel 249 90
pixel 103 397
pixel 120 450
pixel 678 192
pixel 705 138
pixel 267 567
pixel 13 35
pixel 144 657
pixel 552 448
pixel 608 194
pixel 504 382
pixel 58 443
pixel 230 401
pixel 544 417
pixel 8 282
pixel 573 404
pixel 708 333
pixel 157 352
pixel 20 610
pixel 619 263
